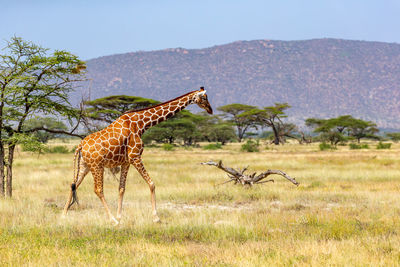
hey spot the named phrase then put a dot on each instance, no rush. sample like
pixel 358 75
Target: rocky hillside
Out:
pixel 319 78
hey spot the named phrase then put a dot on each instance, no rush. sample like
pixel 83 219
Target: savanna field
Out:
pixel 345 212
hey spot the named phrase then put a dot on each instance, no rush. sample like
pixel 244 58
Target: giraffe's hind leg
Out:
pixel 137 162
pixel 98 173
pixel 83 171
pixel 122 182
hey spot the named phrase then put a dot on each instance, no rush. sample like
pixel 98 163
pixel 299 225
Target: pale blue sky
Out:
pixel 96 28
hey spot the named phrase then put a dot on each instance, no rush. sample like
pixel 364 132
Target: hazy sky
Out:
pixel 95 28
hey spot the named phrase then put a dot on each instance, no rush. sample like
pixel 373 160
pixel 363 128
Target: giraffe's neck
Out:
pixel 154 115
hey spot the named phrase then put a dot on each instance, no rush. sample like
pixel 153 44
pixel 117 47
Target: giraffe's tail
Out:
pixel 77 157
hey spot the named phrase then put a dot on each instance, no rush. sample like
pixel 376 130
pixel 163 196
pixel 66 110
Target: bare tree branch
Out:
pixel 53 131
pixel 261 176
pixel 240 177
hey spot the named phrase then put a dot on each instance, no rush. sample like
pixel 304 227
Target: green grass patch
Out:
pixel 325 146
pixel 213 146
pixel 58 150
pixel 251 146
pixel 382 145
pixel 168 147
pixel 358 146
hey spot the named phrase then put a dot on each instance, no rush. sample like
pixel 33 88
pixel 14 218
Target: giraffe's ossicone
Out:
pixel 120 144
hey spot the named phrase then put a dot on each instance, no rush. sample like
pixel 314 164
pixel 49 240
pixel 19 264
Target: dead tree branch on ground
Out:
pixel 239 176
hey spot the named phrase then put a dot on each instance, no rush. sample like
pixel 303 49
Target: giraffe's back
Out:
pixel 110 147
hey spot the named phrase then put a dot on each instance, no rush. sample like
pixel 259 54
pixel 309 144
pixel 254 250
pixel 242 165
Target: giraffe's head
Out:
pixel 202 101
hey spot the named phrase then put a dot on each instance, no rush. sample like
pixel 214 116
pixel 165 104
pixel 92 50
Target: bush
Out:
pixel 383 145
pixel 213 146
pixel 364 146
pixel 324 146
pixel 394 136
pixel 358 146
pixel 57 149
pixel 250 146
pixel 151 144
pixel 168 147
pixel 33 147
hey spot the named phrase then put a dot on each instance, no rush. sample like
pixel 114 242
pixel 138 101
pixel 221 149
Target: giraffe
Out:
pixel 120 144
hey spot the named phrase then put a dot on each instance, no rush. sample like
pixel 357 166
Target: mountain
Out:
pixel 319 78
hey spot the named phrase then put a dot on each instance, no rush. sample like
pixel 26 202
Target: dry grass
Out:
pixel 345 212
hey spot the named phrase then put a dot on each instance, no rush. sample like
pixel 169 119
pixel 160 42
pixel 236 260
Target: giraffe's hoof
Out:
pixel 119 220
pixel 114 221
pixel 156 219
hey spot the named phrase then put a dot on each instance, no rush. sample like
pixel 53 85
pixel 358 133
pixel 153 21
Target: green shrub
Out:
pixel 168 147
pixel 250 146
pixel 354 146
pixel 57 149
pixel 394 136
pixel 383 145
pixel 213 146
pixel 33 147
pixel 358 146
pixel 364 146
pixel 325 146
pixel 152 145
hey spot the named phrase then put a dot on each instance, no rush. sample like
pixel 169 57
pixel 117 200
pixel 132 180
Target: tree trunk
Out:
pixel 189 141
pixel 276 137
pixel 282 140
pixel 241 132
pixel 2 174
pixel 240 135
pixel 9 170
pixel 2 159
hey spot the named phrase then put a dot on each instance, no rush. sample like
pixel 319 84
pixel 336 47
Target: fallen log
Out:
pixel 244 179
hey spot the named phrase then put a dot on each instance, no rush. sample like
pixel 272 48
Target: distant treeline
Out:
pixel 234 123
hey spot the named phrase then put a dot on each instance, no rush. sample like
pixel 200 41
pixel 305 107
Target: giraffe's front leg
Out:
pixel 122 182
pixel 137 162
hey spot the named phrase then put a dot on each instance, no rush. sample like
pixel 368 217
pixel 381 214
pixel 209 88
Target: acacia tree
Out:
pixel 239 115
pixel 31 83
pixel 182 126
pixel 288 130
pixel 331 130
pixel 108 109
pixel 342 128
pixel 271 117
pixel 363 129
pixel 214 129
pixel 394 136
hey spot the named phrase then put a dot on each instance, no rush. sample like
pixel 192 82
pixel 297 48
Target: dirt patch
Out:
pixel 184 206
